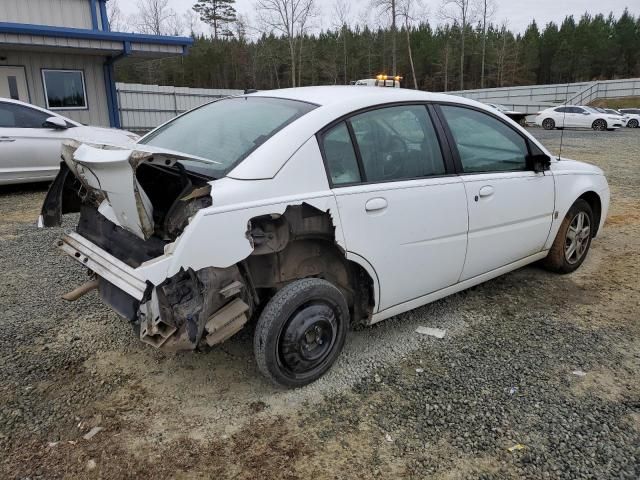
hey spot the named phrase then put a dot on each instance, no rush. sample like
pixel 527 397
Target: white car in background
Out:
pixel 633 115
pixel 312 210
pixel 610 111
pixel 572 116
pixel 31 141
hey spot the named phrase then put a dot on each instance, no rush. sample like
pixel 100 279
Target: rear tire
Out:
pixel 633 123
pixel 548 124
pixel 301 332
pixel 599 125
pixel 573 240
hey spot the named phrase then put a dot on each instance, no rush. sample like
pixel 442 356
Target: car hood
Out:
pixel 568 166
pixel 102 135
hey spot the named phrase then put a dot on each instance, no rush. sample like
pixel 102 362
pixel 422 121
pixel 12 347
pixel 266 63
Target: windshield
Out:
pixel 225 132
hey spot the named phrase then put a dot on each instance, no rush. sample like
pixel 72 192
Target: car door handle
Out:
pixel 376 204
pixel 7 139
pixel 486 191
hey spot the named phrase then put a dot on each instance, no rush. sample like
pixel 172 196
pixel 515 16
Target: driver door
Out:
pixel 400 208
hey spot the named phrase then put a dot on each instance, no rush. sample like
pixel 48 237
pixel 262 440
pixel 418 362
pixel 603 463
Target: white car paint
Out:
pixel 33 154
pixel 419 240
pixel 576 116
pixel 631 114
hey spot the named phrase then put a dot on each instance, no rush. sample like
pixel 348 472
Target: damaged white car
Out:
pixel 313 210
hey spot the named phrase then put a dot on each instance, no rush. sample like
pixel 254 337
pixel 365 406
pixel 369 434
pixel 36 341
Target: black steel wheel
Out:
pixel 599 125
pixel 301 332
pixel 548 124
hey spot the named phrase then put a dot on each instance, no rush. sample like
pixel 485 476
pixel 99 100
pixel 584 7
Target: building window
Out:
pixel 64 89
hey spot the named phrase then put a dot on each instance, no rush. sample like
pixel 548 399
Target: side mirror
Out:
pixel 56 123
pixel 538 163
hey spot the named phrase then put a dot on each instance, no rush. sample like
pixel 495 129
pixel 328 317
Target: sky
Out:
pixel 517 13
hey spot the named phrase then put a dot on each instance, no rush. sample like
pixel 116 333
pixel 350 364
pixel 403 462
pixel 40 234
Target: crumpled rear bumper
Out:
pixel 175 314
pixel 104 264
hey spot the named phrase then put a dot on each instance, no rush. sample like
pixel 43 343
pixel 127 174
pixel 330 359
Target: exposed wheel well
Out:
pixel 301 244
pixel 593 199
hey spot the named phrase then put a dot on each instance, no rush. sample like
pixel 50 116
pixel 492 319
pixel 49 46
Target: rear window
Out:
pixel 227 131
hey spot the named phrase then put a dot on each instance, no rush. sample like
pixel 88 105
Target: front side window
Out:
pixel 484 143
pixel 64 89
pixel 225 132
pixel 18 116
pixel 397 143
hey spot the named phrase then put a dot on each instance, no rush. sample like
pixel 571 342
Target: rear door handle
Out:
pixel 376 204
pixel 7 139
pixel 486 191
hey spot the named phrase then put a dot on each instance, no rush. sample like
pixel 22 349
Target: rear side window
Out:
pixel 484 143
pixel 341 158
pixel 397 143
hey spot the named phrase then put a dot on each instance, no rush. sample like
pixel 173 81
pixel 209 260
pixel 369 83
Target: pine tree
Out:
pixel 217 13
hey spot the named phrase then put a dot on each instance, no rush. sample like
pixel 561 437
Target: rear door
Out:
pixel 28 149
pixel 401 207
pixel 510 206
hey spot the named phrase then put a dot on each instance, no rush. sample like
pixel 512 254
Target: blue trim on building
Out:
pixel 110 83
pixel 85 34
pixel 104 16
pixel 94 14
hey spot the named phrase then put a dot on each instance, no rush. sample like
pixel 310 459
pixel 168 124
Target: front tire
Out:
pixel 632 123
pixel 548 124
pixel 301 332
pixel 573 240
pixel 599 125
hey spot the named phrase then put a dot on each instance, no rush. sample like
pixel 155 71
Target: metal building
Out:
pixel 59 54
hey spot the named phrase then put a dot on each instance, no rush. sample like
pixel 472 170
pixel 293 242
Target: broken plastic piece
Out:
pixel 579 373
pixel 432 332
pixel 517 446
pixel 226 322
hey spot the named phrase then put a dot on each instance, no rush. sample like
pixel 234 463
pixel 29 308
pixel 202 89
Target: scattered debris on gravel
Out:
pixel 537 375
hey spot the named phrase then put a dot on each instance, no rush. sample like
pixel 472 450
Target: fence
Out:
pixel 144 107
pixel 530 99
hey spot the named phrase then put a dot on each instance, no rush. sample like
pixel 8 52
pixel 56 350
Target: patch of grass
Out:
pixel 622 102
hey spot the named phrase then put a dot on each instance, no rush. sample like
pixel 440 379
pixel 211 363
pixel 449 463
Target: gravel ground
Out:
pixel 396 405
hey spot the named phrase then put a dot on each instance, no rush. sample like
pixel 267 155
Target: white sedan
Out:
pixel 568 116
pixel 31 140
pixel 633 115
pixel 312 210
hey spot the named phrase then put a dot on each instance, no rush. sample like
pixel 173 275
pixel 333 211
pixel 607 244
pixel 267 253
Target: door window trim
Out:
pixel 454 148
pixel 445 150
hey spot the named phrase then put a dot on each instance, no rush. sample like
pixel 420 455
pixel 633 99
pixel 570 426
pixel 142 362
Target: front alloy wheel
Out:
pixel 301 332
pixel 548 124
pixel 573 240
pixel 632 123
pixel 577 238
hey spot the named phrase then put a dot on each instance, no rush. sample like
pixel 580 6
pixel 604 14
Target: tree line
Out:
pixel 465 50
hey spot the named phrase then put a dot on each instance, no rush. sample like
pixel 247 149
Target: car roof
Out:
pixel 334 103
pixel 338 94
pixel 40 109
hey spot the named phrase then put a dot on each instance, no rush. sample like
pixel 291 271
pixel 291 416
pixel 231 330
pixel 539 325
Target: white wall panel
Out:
pixel 92 66
pixel 57 13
